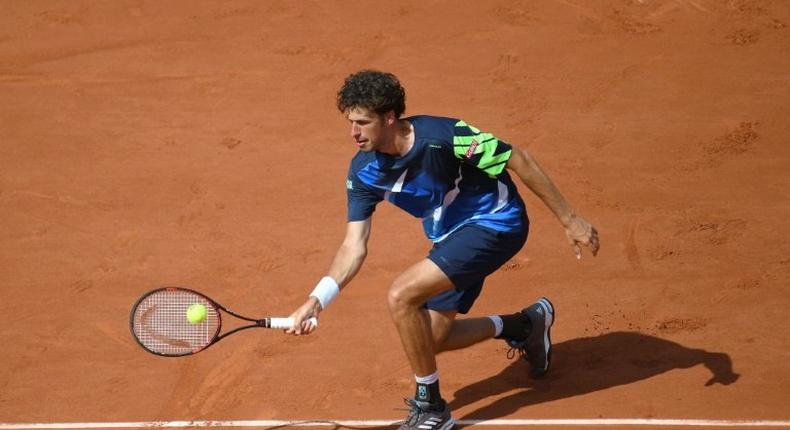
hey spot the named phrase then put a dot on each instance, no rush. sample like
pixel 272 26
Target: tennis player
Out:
pixel 455 178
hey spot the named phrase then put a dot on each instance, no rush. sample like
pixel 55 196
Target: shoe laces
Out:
pixel 512 353
pixel 415 412
pixel 517 347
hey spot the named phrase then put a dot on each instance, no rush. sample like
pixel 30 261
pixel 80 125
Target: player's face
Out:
pixel 368 129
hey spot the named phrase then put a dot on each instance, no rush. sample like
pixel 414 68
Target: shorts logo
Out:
pixel 471 151
pixel 349 184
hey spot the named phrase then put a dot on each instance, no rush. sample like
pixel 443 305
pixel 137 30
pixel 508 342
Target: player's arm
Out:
pixel 352 252
pixel 578 231
pixel 347 262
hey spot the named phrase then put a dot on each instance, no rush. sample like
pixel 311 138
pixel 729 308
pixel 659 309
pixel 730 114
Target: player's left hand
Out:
pixel 580 232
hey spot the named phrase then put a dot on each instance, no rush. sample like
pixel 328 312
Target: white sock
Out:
pixel 498 324
pixel 427 380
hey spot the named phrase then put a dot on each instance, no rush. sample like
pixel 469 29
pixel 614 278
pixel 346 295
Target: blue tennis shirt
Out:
pixel 454 175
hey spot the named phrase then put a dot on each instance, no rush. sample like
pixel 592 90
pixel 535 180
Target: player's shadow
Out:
pixel 589 364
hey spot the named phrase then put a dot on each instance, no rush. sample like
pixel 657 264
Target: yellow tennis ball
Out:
pixel 196 313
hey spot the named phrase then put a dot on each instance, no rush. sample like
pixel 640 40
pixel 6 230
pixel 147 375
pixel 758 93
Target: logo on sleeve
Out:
pixel 349 184
pixel 471 151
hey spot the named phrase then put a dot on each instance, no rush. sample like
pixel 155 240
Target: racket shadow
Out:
pixel 585 365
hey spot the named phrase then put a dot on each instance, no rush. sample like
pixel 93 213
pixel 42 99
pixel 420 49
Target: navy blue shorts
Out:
pixel 467 256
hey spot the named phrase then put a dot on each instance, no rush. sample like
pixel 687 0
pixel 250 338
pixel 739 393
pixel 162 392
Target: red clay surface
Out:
pixel 197 143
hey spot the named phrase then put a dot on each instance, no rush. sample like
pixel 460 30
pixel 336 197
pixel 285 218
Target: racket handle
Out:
pixel 286 323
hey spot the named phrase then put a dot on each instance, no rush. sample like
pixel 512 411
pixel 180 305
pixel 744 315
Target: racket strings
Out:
pixel 160 322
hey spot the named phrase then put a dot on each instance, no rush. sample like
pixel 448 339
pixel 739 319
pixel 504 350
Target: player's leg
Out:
pixel 467 257
pixel 407 298
pixel 447 283
pixel 450 333
pixel 426 332
pixel 527 331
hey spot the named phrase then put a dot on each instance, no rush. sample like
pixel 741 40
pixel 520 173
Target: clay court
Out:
pixel 197 143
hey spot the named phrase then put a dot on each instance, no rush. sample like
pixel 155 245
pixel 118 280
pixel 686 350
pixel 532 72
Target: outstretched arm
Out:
pixel 344 267
pixel 578 231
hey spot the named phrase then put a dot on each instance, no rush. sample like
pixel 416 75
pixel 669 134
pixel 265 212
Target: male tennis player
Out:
pixel 454 177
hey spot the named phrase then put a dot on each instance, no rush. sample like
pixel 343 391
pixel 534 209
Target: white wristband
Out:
pixel 326 291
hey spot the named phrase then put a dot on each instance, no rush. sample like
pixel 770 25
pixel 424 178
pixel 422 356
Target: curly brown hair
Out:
pixel 377 91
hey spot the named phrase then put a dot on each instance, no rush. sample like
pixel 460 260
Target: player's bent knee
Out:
pixel 397 299
pixel 402 296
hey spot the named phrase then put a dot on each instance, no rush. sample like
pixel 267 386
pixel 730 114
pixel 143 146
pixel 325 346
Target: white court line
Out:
pixel 378 423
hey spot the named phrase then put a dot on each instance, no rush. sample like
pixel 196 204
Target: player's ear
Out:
pixel 390 118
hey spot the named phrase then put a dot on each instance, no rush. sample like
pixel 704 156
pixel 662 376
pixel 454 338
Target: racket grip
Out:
pixel 286 323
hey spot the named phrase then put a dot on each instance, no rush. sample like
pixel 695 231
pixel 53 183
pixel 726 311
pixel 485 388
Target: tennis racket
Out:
pixel 159 323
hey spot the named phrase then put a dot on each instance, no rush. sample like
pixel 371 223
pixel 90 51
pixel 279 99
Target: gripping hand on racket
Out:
pixel 346 264
pixel 311 308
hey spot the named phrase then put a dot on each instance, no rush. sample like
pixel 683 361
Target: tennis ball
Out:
pixel 196 313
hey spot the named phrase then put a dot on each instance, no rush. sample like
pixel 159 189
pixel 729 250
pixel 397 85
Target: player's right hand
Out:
pixel 302 325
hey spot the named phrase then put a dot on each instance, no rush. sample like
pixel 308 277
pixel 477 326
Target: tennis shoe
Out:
pixel 536 347
pixel 424 416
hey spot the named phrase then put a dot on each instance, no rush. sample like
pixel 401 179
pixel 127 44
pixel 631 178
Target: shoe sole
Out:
pixel 549 312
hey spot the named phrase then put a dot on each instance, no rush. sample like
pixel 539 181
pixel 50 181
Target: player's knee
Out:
pixel 401 296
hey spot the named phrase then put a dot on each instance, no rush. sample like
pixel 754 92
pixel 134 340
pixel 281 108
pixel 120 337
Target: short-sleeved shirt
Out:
pixel 454 175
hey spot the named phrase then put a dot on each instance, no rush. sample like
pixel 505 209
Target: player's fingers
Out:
pixel 309 327
pixel 577 250
pixel 293 330
pixel 595 243
pixel 296 330
pixel 305 327
pixel 571 240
